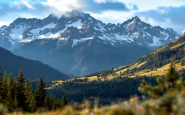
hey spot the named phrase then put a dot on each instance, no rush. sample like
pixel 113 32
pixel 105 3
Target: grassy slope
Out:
pixel 142 66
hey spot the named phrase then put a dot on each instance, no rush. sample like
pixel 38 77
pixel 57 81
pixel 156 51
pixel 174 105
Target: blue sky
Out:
pixel 166 13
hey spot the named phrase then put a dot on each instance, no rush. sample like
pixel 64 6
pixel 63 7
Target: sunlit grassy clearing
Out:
pixel 136 65
pixel 178 45
pixel 159 71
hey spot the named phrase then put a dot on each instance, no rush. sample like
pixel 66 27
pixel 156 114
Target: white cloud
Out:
pixel 165 24
pixel 100 1
pixel 144 5
pixel 22 2
pixel 183 31
pixel 148 4
pixel 3 23
pixel 113 16
pixel 26 3
pixel 63 5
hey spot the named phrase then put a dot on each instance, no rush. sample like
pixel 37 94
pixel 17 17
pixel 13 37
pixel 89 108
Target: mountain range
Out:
pixel 78 44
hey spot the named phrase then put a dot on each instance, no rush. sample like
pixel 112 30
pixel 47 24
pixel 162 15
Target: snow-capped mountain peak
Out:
pixel 76 25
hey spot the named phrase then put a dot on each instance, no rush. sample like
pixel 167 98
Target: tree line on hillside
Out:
pixel 17 93
pixel 107 91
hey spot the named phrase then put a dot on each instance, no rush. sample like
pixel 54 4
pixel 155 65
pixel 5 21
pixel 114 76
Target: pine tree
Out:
pixel 10 94
pixel 64 101
pixel 40 93
pixel 52 101
pixel 1 90
pixel 0 86
pixel 4 88
pixel 58 103
pixel 32 104
pixel 29 96
pixel 15 86
pixel 48 102
pixel 0 72
pixel 15 103
pixel 171 76
pixel 21 98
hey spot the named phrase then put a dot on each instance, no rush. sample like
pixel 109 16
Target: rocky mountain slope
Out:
pixel 155 63
pixel 32 69
pixel 79 44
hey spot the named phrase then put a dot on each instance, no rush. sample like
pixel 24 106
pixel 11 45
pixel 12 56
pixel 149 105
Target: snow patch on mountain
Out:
pixel 129 38
pixel 26 40
pixel 107 37
pixel 37 30
pixel 156 42
pixel 49 35
pixel 16 33
pixel 148 34
pixel 99 27
pixel 76 41
pixel 118 38
pixel 77 24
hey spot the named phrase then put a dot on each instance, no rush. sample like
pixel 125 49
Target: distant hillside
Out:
pixel 32 69
pixel 155 63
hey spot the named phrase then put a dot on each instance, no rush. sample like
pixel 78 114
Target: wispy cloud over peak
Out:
pixel 158 12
